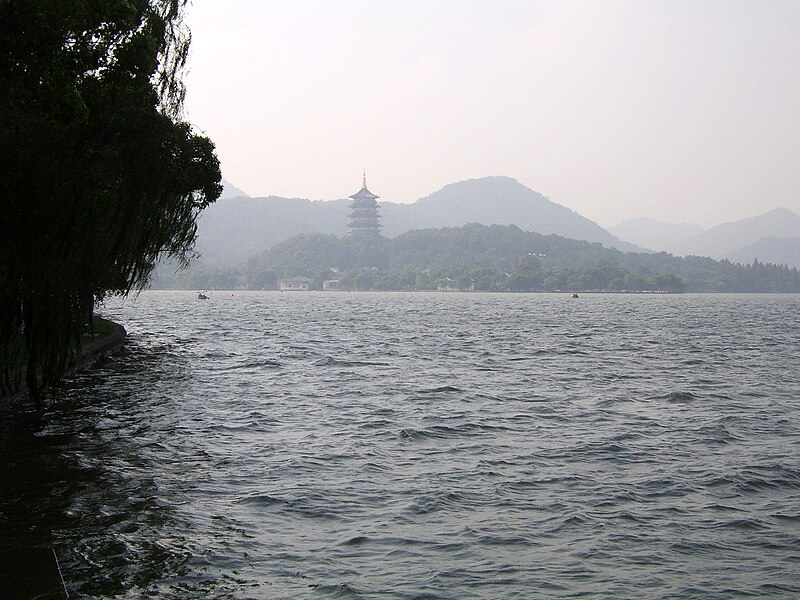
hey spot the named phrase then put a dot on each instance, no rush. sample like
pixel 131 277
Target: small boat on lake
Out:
pixel 575 295
pixel 201 296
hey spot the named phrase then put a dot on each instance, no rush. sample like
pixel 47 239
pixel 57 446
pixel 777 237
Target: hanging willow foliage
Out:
pixel 99 175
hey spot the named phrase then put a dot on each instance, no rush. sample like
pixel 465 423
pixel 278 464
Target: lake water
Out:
pixel 337 445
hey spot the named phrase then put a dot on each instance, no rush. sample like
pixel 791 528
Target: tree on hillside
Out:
pixel 527 274
pixel 100 176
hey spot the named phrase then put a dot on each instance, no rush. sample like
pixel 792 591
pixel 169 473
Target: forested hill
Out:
pixel 236 228
pixel 491 258
pixel 495 201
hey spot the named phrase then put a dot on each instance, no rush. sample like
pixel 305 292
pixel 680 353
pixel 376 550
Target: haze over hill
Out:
pixel 655 235
pixel 231 191
pixel 699 98
pixel 233 229
pixel 773 236
pixel 770 250
pixel 495 201
pixel 726 239
pixel 236 228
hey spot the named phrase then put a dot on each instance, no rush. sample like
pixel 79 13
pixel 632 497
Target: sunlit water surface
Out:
pixel 314 445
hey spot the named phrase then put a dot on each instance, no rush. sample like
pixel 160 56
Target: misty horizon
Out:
pixel 234 190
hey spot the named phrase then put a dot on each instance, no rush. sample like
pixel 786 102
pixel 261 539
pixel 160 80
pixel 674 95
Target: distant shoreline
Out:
pixel 515 293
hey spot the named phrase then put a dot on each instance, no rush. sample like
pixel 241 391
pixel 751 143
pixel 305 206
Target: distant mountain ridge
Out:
pixel 655 235
pixel 773 237
pixel 770 250
pixel 236 228
pixel 231 191
pixel 496 200
pixel 726 239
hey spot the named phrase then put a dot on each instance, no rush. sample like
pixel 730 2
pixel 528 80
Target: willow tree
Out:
pixel 99 175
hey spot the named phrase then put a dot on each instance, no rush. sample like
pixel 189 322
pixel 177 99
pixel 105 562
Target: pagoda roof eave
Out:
pixel 363 193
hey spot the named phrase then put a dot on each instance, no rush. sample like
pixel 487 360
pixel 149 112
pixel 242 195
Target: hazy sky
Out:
pixel 676 110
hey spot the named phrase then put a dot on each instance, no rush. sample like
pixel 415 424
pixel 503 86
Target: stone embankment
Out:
pixel 89 354
pixel 99 348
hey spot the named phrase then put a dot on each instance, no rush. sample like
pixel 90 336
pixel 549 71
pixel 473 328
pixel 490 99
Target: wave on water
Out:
pixel 677 397
pixel 440 390
pixel 434 501
pixel 339 590
pixel 329 361
pixel 266 363
pixel 451 431
pixel 758 478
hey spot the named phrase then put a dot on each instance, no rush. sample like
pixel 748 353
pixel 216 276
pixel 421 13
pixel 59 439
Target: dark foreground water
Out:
pixel 311 445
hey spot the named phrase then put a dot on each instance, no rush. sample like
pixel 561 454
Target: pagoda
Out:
pixel 364 213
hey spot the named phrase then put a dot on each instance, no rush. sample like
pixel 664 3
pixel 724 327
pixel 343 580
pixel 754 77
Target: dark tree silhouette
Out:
pixel 99 176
